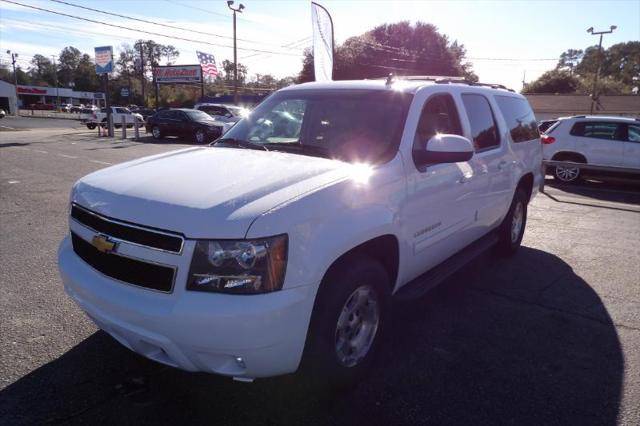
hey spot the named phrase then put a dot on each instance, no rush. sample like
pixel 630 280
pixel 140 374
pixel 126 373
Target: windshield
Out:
pixel 349 125
pixel 196 115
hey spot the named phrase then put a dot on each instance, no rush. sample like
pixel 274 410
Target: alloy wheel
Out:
pixel 357 326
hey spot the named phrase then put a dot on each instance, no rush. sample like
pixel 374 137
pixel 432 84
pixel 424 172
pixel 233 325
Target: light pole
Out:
pixel 594 94
pixel 235 50
pixel 15 77
pixel 55 69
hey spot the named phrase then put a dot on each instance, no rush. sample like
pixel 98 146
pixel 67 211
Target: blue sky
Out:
pixel 531 34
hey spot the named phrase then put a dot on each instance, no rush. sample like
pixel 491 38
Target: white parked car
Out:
pixel 286 241
pixel 117 114
pixel 224 113
pixel 611 142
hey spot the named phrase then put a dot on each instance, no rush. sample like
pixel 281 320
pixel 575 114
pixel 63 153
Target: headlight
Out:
pixel 240 267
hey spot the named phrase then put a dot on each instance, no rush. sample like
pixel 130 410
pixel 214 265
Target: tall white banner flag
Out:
pixel 322 42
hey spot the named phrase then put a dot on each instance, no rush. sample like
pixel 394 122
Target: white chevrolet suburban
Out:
pixel 285 242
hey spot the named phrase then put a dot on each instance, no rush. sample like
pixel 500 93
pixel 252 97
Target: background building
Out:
pixel 8 98
pixel 551 106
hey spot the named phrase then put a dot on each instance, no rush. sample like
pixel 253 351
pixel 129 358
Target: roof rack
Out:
pixel 441 79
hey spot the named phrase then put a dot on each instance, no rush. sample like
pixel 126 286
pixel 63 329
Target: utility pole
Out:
pixel 594 93
pixel 235 50
pixel 144 100
pixel 55 69
pixel 15 78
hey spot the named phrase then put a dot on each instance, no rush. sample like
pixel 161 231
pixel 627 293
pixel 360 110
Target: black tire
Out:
pixel 321 363
pixel 200 136
pixel 509 239
pixel 156 132
pixel 567 175
pixel 91 126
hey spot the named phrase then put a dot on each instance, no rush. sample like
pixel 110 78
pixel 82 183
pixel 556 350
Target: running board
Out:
pixel 435 276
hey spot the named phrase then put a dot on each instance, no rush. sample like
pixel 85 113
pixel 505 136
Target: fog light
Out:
pixel 240 362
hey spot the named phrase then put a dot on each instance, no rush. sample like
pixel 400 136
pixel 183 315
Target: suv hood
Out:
pixel 208 192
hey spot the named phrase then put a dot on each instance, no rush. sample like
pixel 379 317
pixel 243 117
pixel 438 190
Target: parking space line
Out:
pixel 101 162
pixel 67 156
pixel 40 151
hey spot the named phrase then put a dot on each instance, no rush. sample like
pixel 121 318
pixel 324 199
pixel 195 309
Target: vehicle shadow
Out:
pixel 505 341
pixel 616 191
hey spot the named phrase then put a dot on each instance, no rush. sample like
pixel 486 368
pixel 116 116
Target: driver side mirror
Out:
pixel 443 149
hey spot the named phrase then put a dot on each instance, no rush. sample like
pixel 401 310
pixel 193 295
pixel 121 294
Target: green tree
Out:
pixel 400 48
pixel 42 71
pixel 68 61
pixel 554 81
pixel 227 78
pixel 569 60
pixel 85 77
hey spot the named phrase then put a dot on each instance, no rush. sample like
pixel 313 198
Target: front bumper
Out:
pixel 191 330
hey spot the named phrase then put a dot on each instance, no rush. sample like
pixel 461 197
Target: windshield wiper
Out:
pixel 239 142
pixel 299 148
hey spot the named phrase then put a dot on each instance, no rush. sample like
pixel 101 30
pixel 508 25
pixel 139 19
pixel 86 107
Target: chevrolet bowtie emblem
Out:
pixel 103 244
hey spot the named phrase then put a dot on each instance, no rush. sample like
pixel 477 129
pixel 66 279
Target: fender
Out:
pixel 327 223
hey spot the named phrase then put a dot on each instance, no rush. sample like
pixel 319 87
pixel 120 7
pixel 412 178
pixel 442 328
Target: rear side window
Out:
pixel 519 117
pixel 634 133
pixel 597 130
pixel 484 130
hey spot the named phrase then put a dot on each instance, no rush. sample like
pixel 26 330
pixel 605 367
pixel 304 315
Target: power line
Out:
pixel 157 23
pixel 146 32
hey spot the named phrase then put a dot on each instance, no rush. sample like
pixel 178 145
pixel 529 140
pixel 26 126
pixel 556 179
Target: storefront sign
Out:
pixel 178 74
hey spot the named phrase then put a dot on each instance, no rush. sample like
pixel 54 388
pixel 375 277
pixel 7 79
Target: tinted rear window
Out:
pixel 519 117
pixel 483 125
pixel 597 130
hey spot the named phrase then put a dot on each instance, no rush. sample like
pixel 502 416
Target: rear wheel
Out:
pixel 511 230
pixel 91 126
pixel 348 321
pixel 155 131
pixel 566 174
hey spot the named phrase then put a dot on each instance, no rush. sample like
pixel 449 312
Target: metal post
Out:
pixel 107 100
pixel 136 131
pixel 235 62
pixel 142 80
pixel 15 81
pixel 124 127
pixel 235 50
pixel 111 125
pixel 55 67
pixel 594 92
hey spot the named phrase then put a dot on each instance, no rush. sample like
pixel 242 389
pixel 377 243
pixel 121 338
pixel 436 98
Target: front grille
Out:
pixel 136 272
pixel 127 232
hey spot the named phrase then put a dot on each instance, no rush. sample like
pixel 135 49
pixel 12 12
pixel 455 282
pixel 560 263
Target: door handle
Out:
pixel 502 164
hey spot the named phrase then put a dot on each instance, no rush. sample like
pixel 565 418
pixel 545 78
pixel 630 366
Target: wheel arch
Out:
pixel 569 155
pixel 384 249
pixel 526 183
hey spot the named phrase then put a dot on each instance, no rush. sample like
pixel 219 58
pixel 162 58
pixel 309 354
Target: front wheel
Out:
pixel 155 131
pixel 511 231
pixel 199 136
pixel 91 126
pixel 348 321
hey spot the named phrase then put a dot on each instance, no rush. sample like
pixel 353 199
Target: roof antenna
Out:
pixel 390 79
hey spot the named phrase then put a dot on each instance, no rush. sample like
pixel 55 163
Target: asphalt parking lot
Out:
pixel 550 336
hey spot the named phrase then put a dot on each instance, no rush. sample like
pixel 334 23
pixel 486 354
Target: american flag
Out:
pixel 208 63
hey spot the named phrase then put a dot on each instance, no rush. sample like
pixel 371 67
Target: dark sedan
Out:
pixel 189 123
